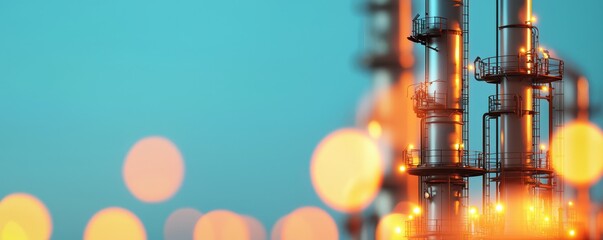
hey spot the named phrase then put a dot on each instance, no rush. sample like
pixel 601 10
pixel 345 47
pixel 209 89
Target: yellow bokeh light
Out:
pixel 309 223
pixel 570 203
pixel 13 231
pixel 374 129
pixel 23 216
pixel 416 210
pixel 347 170
pixel 153 170
pixel 472 211
pixel 572 233
pixel 499 208
pixel 221 225
pixel 391 227
pixel 579 158
pixel 402 168
pixel 116 224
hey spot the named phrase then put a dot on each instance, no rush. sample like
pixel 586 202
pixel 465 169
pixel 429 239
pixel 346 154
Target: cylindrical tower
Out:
pixel 519 70
pixel 443 162
pixel 516 128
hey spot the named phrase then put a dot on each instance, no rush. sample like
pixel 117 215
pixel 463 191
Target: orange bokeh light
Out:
pixel 181 224
pixel 277 229
pixel 391 227
pixel 153 170
pixel 115 223
pixel 23 216
pixel 579 157
pixel 255 227
pixel 309 223
pixel 347 170
pixel 221 225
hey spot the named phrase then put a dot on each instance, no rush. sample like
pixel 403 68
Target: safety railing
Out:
pixel 428 25
pixel 423 99
pixel 443 158
pixel 528 64
pixel 525 161
pixel 504 103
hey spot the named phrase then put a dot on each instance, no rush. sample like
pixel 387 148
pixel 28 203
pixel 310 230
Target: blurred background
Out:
pixel 237 94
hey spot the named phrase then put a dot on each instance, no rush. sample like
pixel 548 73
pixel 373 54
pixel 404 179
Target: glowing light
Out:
pixel 153 170
pixel 522 50
pixel 277 229
pixel 533 19
pixel 374 129
pixel 572 233
pixel 391 227
pixel 544 88
pixel 255 227
pixel 531 208
pixel 23 216
pixel 411 147
pixel 115 223
pixel 416 210
pixel 309 223
pixel 541 49
pixel 457 146
pixel 547 219
pixel 499 208
pixel 570 203
pixel 221 225
pixel 410 217
pixel 472 211
pixel 542 147
pixel 470 67
pixel 582 147
pixel 13 231
pixel 347 170
pixel 181 224
pixel 402 168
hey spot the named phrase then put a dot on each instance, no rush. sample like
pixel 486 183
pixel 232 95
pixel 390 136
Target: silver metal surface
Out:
pixel 515 128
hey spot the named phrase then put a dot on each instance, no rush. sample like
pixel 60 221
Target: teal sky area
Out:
pixel 245 89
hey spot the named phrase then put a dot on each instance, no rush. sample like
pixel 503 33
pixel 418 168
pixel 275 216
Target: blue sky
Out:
pixel 245 89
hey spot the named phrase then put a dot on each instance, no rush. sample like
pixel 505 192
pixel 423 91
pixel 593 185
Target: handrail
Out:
pixel 504 103
pixel 423 99
pixel 526 63
pixel 417 157
pixel 422 26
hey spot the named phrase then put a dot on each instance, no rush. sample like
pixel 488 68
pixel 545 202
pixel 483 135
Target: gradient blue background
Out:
pixel 245 89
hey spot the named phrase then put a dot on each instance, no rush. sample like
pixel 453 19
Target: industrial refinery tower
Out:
pixel 441 103
pixel 524 73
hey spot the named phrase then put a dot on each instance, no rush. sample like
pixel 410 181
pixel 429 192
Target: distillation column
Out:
pixel 518 69
pixel 442 138
pixel 516 128
pixel 438 102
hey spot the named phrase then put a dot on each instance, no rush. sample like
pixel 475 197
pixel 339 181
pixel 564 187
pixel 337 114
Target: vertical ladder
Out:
pixel 536 123
pixel 465 90
pixel 486 190
pixel 558 121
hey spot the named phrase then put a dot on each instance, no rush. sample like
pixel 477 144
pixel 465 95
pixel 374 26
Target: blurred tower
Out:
pixel 391 61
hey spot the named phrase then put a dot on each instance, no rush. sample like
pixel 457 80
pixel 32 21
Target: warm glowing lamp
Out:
pixel 499 208
pixel 347 170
